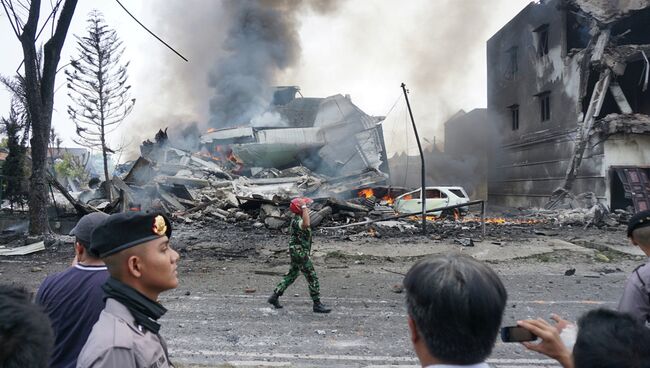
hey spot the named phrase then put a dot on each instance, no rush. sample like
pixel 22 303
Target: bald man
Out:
pixel 136 249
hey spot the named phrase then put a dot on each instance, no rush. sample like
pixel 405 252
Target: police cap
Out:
pixel 125 230
pixel 641 219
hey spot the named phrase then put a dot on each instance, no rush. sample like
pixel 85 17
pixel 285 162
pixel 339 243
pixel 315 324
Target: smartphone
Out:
pixel 516 334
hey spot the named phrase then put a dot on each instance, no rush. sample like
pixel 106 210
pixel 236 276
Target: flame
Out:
pixel 488 220
pixel 388 199
pixel 372 232
pixel 366 193
pixel 234 159
pixel 456 215
pixel 207 155
pixel 503 221
pixel 407 197
pixel 211 130
pixel 419 218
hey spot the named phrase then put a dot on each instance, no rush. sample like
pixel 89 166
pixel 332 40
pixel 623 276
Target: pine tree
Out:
pixel 16 127
pixel 97 86
pixel 14 170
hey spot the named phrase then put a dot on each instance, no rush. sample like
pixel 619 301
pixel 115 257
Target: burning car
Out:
pixel 436 197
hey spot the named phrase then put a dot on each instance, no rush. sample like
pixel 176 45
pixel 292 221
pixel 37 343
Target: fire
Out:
pixel 488 220
pixel 387 199
pixel 510 221
pixel 211 130
pixel 366 193
pixel 207 155
pixel 408 197
pixel 419 218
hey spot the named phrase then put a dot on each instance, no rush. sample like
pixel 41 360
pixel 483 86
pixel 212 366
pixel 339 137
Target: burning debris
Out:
pixel 328 150
pixel 195 188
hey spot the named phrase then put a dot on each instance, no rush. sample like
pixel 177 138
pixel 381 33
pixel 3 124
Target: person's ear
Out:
pixel 134 266
pixel 78 248
pixel 415 337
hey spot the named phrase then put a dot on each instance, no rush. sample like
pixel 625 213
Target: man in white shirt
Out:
pixel 455 305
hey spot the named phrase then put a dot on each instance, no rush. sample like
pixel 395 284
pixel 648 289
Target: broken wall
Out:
pixel 535 150
pixel 622 151
pixel 608 10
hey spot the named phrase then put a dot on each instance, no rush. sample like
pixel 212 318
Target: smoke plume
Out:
pixel 262 41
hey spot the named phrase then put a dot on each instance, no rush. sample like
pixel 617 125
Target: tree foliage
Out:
pixel 16 127
pixel 71 167
pixel 40 77
pixel 14 170
pixel 97 86
pixel 19 112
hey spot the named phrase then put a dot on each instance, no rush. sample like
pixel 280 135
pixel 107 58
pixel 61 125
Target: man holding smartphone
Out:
pixel 455 305
pixel 635 301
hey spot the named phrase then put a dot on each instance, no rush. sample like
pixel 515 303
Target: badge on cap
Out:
pixel 159 226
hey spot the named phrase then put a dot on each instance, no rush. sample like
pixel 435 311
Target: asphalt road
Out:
pixel 219 323
pixel 218 317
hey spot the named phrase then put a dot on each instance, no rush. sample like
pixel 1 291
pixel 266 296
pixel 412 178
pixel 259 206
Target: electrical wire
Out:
pixel 394 104
pixel 150 32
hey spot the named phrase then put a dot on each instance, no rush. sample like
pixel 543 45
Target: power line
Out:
pixel 151 33
pixel 394 104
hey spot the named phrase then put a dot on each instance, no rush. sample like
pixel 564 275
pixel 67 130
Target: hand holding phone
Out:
pixel 551 343
pixel 516 334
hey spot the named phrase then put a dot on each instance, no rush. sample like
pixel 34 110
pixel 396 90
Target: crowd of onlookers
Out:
pixel 103 311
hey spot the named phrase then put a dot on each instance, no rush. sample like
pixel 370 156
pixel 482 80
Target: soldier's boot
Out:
pixel 273 300
pixel 320 307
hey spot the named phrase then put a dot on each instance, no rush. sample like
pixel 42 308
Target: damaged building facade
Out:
pixel 330 136
pixel 568 90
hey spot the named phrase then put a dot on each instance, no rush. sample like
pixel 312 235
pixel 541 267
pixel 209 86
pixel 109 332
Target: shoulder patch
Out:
pixel 123 335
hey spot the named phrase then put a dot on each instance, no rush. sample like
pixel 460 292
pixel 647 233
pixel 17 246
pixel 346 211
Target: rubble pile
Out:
pixel 195 187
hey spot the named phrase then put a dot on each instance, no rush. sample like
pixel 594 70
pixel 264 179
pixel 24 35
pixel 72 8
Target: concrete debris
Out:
pixel 24 250
pixel 203 187
pixel 465 242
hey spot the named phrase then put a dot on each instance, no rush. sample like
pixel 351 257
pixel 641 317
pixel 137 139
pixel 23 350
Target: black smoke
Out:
pixel 262 40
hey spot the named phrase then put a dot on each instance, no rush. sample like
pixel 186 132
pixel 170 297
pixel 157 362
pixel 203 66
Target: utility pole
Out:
pixel 422 170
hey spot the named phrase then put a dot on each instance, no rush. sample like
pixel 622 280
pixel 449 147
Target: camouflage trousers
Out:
pixel 298 265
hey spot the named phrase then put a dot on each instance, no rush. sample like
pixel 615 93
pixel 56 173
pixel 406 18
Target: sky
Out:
pixel 364 48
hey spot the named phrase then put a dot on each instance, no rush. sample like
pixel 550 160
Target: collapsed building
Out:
pixel 330 136
pixel 325 148
pixel 568 90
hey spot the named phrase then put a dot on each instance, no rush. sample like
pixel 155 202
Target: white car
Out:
pixel 436 197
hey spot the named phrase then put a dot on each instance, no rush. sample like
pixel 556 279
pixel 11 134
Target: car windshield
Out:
pixel 458 192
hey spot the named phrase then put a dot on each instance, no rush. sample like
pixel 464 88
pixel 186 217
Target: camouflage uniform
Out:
pixel 299 248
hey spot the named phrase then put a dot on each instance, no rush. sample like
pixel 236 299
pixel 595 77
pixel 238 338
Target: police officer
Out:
pixel 141 263
pixel 636 296
pixel 299 249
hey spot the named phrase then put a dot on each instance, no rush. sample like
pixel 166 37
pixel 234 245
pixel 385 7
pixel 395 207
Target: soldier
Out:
pixel 299 248
pixel 135 247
